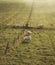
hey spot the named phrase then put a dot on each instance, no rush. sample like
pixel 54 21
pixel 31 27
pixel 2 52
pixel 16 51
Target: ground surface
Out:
pixel 41 49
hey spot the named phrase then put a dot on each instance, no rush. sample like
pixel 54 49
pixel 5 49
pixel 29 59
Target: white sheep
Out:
pixel 15 25
pixel 40 26
pixel 29 32
pixel 27 38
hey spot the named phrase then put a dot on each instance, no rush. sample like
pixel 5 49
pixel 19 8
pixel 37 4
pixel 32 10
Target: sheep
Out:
pixel 15 25
pixel 27 39
pixel 29 32
pixel 40 26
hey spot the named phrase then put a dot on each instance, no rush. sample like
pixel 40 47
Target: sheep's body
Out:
pixel 40 26
pixel 15 25
pixel 29 32
pixel 27 39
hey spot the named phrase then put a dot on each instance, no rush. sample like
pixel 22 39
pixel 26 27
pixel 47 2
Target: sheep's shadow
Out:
pixel 35 28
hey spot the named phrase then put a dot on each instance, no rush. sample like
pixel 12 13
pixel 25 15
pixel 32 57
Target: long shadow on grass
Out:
pixel 24 27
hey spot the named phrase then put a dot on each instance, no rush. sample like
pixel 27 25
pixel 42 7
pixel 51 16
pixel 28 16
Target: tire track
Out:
pixel 26 25
pixel 29 17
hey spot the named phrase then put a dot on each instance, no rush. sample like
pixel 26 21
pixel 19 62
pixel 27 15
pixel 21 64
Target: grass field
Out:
pixel 41 49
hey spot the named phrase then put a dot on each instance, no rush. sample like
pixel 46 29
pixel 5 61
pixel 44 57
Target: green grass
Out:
pixel 41 49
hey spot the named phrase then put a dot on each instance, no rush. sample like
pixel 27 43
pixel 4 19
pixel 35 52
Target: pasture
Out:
pixel 41 49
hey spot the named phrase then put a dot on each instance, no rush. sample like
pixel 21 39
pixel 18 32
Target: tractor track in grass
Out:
pixel 35 28
pixel 20 35
pixel 26 26
pixel 22 31
pixel 40 51
pixel 13 16
pixel 30 14
pixel 28 20
pixel 15 39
